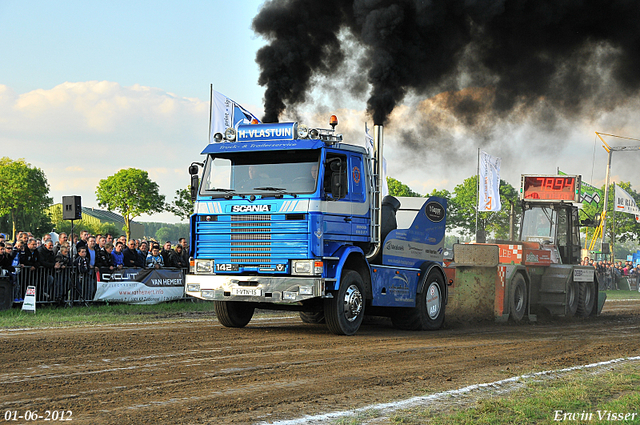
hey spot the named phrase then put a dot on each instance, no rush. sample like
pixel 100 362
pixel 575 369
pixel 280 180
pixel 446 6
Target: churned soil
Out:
pixel 196 371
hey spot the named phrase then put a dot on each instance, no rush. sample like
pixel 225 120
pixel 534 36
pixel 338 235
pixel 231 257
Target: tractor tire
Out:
pixel 428 314
pixel 586 299
pixel 233 314
pixel 314 318
pixel 518 298
pixel 571 299
pixel 345 311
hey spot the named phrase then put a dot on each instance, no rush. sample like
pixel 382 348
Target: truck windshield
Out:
pixel 292 172
pixel 539 224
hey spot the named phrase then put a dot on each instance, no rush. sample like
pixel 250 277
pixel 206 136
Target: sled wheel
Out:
pixel 518 298
pixel 586 299
pixel 314 318
pixel 428 314
pixel 344 312
pixel 233 314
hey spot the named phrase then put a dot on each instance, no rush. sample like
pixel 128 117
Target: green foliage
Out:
pixel 131 193
pixel 463 206
pixel 397 188
pixel 24 197
pixel 182 205
pixel 166 231
pixel 92 228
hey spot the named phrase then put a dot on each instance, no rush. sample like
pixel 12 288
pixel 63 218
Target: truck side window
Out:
pixel 335 177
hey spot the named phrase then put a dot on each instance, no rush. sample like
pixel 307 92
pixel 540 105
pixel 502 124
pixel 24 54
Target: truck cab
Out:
pixel 291 218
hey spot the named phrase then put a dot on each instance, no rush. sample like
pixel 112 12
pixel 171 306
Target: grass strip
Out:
pixel 623 295
pixel 49 315
pixel 607 395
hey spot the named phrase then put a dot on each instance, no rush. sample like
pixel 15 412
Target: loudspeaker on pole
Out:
pixel 71 208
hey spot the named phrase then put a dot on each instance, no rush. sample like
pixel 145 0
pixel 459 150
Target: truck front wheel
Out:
pixel 345 311
pixel 428 314
pixel 233 314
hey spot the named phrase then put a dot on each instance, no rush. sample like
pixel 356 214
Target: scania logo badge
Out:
pixel 250 208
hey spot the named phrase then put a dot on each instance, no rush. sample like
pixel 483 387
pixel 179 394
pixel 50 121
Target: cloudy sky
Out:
pixel 88 88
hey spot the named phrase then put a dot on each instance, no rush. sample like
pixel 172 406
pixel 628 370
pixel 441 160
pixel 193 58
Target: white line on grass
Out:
pixel 423 400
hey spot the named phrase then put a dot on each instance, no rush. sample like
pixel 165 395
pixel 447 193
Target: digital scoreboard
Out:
pixel 550 188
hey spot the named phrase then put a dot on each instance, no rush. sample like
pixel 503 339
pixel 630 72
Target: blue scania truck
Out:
pixel 288 217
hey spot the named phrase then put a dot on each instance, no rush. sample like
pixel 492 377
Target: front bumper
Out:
pixel 260 289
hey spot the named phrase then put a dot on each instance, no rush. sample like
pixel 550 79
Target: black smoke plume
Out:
pixel 564 53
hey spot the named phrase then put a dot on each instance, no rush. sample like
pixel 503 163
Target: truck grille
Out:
pixel 253 240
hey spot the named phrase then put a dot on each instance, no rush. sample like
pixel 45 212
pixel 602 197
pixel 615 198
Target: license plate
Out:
pixel 227 267
pixel 247 292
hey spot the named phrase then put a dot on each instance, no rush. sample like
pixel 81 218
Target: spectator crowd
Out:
pixel 87 253
pixel 610 274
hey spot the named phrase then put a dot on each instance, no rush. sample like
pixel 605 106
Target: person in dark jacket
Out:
pixel 176 259
pixel 185 250
pixel 166 254
pixel 5 259
pixel 47 260
pixel 131 255
pixel 103 257
pixel 46 256
pixel 30 257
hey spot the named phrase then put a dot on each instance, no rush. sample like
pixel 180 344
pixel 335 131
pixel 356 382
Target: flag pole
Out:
pixel 477 193
pixel 210 109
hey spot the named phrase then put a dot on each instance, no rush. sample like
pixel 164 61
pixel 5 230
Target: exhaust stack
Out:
pixel 376 220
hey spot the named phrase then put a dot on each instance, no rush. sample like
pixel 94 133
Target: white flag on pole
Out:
pixel 368 141
pixel 489 185
pixel 226 113
pixel 625 203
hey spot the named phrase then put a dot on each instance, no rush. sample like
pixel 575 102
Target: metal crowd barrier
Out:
pixel 59 285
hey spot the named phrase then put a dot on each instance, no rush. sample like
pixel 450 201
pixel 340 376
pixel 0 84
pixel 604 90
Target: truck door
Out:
pixel 358 197
pixel 335 191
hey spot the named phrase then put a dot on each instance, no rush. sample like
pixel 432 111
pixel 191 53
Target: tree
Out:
pixel 23 195
pixel 463 206
pixel 131 193
pixel 397 188
pixel 182 205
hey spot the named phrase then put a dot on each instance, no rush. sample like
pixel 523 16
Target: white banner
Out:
pixel 489 185
pixel 625 203
pixel 226 113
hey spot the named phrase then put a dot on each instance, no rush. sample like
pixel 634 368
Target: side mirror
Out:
pixel 338 187
pixel 193 169
pixel 194 186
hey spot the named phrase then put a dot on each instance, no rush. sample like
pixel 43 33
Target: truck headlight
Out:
pixel 306 267
pixel 204 266
pixel 193 287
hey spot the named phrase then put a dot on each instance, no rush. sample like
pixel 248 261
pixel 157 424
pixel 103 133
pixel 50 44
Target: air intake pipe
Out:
pixel 376 219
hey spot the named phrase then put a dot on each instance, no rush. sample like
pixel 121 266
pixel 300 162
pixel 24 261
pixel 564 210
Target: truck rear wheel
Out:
pixel 586 298
pixel 428 314
pixel 518 298
pixel 345 311
pixel 233 314
pixel 572 298
pixel 315 318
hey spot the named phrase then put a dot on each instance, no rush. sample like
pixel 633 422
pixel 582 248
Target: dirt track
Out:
pixel 196 371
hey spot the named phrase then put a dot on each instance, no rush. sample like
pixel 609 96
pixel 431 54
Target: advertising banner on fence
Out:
pixel 140 286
